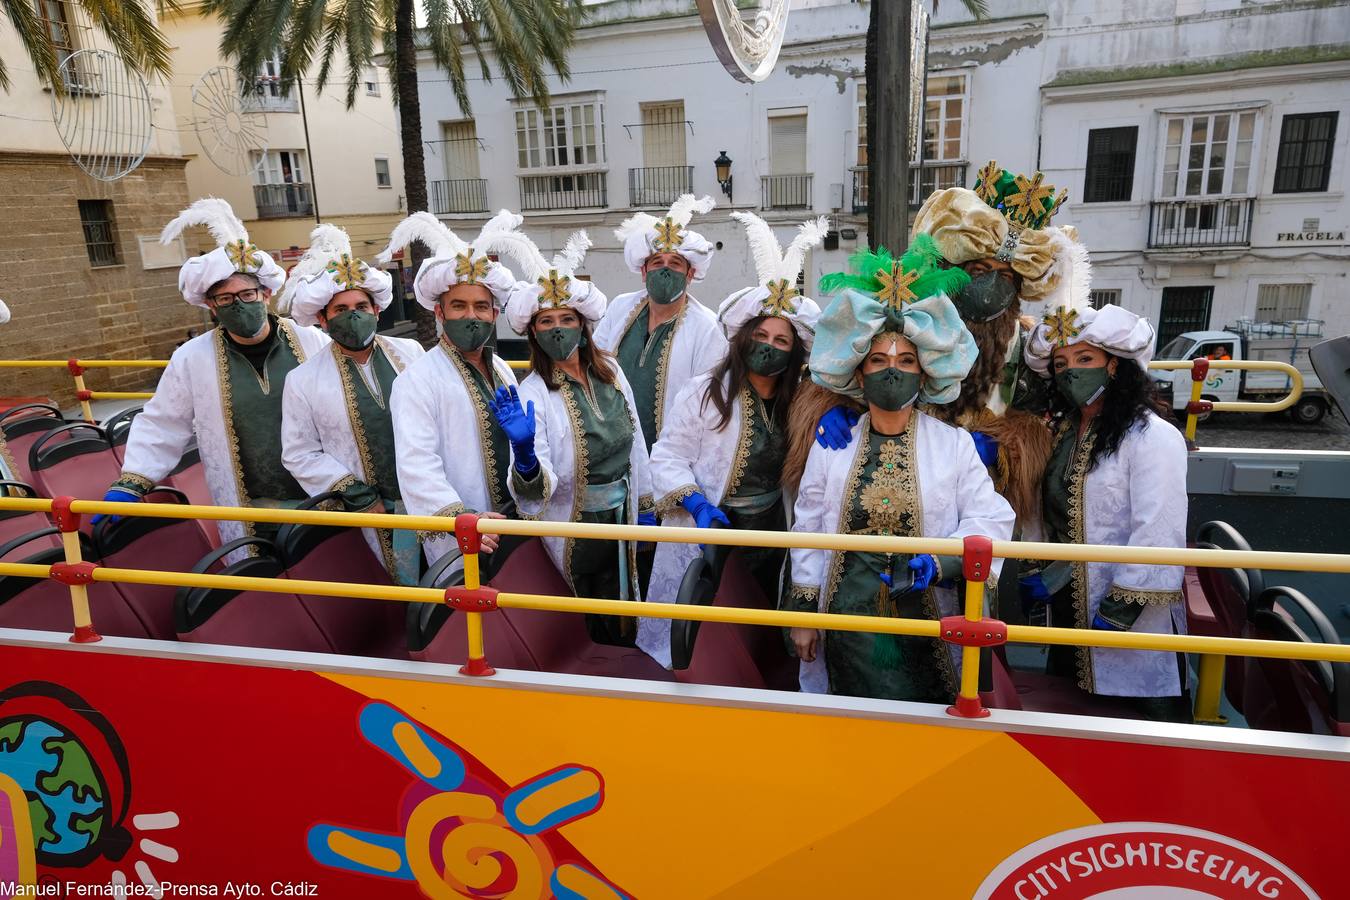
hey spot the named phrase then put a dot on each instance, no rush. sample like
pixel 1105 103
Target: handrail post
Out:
pixel 470 543
pixel 75 573
pixel 1209 689
pixel 81 392
pixel 977 558
pixel 1199 372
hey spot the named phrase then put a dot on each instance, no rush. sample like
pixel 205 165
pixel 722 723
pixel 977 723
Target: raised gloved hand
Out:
pixel 646 518
pixel 924 568
pixel 835 429
pixel 518 424
pixel 704 513
pixel 987 447
pixel 1102 625
pixel 116 495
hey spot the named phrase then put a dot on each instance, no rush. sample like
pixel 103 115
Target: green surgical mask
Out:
pixel 243 319
pixel 987 297
pixel 766 359
pixel 891 389
pixel 468 334
pixel 559 343
pixel 1082 386
pixel 665 285
pixel 353 329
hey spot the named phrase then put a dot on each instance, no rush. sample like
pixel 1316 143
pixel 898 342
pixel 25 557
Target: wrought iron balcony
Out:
pixel 458 195
pixel 659 186
pixel 923 180
pixel 1208 222
pixel 282 201
pixel 785 191
pixel 585 190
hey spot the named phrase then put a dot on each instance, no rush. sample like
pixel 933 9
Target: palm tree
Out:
pixel 528 38
pixel 129 26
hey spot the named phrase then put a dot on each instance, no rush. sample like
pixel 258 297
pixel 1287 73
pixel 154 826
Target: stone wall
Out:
pixel 63 306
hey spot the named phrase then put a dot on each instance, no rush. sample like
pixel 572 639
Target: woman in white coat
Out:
pixel 890 338
pixel 1117 475
pixel 577 453
pixel 719 459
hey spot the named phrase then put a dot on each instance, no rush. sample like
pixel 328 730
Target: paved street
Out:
pixel 1275 431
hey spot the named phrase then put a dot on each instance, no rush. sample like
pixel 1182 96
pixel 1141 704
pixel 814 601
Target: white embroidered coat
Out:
pixel 956 499
pixel 1135 497
pixel 188 400
pixel 697 345
pixel 442 440
pixel 319 442
pixel 692 455
pixel 556 444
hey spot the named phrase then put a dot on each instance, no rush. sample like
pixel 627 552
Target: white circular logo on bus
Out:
pixel 1137 860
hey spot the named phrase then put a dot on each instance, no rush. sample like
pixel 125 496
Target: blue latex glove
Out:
pixel 924 567
pixel 1102 625
pixel 518 424
pixel 647 518
pixel 1033 592
pixel 116 495
pixel 987 447
pixel 835 429
pixel 704 513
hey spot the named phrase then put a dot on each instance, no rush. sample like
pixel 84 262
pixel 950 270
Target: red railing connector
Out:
pixel 74 367
pixel 462 599
pixel 961 631
pixel 477 667
pixel 66 520
pixel 1199 369
pixel 84 396
pixel 73 573
pixel 968 708
pixel 977 557
pixel 466 533
pixel 1199 407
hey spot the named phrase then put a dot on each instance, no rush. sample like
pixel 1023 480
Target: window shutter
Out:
pixel 663 142
pixel 461 150
pixel 787 145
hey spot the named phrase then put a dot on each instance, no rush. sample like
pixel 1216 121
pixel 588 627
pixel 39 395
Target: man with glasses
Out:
pixel 225 386
pixel 337 432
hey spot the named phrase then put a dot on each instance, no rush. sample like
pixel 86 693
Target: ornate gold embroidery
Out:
pixel 895 291
pixel 645 504
pixel 1063 324
pixel 341 484
pixel 661 368
pixel 450 510
pixel 667 504
pixel 1031 202
pixel 987 184
pixel 1079 579
pixel 8 458
pixel 231 438
pixel 136 482
pixel 779 302
pixel 557 290
pixel 581 455
pixel 668 236
pixel 485 420
pixel 346 271
pixel 741 458
pixel 470 270
pixel 800 595
pixel 836 566
pixel 358 425
pixel 888 499
pixel 1145 598
pixel 242 255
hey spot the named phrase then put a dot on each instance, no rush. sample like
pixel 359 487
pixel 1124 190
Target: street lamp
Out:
pixel 723 166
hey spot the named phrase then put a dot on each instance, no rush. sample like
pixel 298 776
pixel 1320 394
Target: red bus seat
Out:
pixel 118 429
pixel 719 653
pixel 14 523
pixel 1304 696
pixel 74 459
pixel 436 634
pixel 21 426
pixel 1229 593
pixel 190 478
pixel 44 604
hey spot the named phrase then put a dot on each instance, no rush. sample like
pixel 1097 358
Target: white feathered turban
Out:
pixel 644 234
pixel 553 285
pixel 453 261
pixel 234 253
pixel 327 269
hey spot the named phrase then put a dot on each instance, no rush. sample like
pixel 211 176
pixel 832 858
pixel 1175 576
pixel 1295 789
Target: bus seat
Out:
pixel 436 634
pixel 21 426
pixel 163 545
pixel 352 625
pixel 118 428
pixel 74 459
pixel 1304 696
pixel 246 618
pixel 720 653
pixel 190 478
pixel 16 522
pixel 1229 593
pixel 44 604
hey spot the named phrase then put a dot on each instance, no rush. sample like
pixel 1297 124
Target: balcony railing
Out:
pixel 1211 222
pixel 585 190
pixel 458 195
pixel 785 191
pixel 659 186
pixel 280 201
pixel 923 180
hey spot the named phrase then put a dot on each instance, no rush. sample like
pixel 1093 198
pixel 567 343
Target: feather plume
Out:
pixel 329 240
pixel 424 227
pixel 504 221
pixel 683 209
pixel 809 234
pixel 4 313
pixel 764 248
pixel 531 263
pixel 573 252
pixel 325 242
pixel 1073 269
pixel 633 224
pixel 212 212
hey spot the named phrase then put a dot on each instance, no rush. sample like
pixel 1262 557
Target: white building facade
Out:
pixel 1106 98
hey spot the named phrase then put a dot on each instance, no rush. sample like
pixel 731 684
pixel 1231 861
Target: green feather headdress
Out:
pixel 913 277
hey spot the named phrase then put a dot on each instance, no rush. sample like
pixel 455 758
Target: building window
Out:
pixel 1104 296
pixel 1110 164
pixel 278 166
pixel 570 134
pixel 1183 309
pixel 663 142
pixel 861 104
pixel 100 237
pixel 279 184
pixel 372 83
pixel 1209 154
pixel 382 173
pixel 267 87
pixel 1304 160
pixel 1282 302
pixel 944 128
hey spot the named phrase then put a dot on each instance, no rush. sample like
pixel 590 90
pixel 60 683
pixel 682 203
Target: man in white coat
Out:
pixel 224 386
pixel 452 456
pixel 337 433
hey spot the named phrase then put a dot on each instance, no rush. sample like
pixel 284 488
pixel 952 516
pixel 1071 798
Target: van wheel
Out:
pixel 1308 410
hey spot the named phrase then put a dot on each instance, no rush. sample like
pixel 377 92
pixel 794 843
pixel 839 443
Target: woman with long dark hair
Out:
pixel 577 453
pixel 719 458
pixel 1117 475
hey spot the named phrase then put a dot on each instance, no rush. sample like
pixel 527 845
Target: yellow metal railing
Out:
pixel 970 631
pixel 1199 369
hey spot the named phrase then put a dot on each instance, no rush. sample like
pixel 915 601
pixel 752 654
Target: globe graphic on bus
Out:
pixel 67 800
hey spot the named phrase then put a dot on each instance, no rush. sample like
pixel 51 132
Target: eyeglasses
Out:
pixel 249 295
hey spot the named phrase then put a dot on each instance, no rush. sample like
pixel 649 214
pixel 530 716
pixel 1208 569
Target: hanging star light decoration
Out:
pixel 779 302
pixel 557 290
pixel 347 271
pixel 471 270
pixel 987 183
pixel 242 253
pixel 895 284
pixel 1063 324
pixel 668 236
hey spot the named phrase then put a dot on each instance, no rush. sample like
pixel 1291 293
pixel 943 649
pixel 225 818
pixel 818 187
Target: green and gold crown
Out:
pixel 1024 202
pixel 896 282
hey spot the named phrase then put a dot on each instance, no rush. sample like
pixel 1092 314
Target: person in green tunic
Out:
pixel 576 445
pixel 890 338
